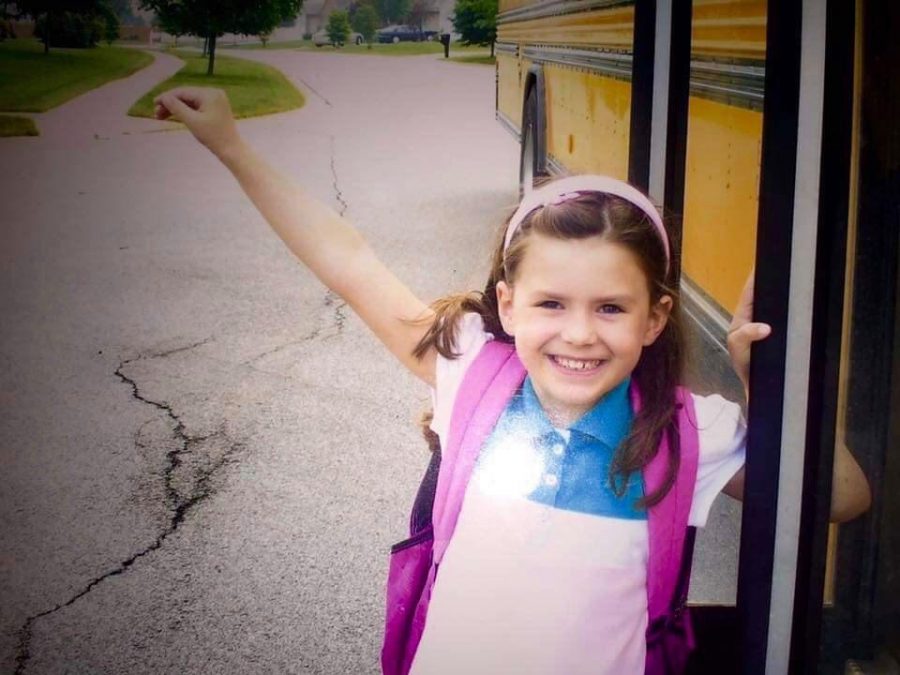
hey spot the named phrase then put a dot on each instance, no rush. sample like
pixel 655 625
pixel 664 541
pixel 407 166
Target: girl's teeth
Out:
pixel 575 364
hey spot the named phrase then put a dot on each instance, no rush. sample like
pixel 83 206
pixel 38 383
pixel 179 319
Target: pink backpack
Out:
pixel 487 387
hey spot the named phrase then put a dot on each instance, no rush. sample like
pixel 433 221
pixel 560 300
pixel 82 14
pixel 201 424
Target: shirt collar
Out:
pixel 609 421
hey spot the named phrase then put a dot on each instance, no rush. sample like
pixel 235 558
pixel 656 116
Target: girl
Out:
pixel 546 569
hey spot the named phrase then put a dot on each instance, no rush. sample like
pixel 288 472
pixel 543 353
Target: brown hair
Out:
pixel 659 369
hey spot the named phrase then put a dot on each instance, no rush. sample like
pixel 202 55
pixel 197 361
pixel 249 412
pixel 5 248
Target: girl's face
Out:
pixel 580 312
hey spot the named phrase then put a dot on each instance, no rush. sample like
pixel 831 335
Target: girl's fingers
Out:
pixel 192 96
pixel 160 111
pixel 204 111
pixel 744 310
pixel 740 339
pixel 175 106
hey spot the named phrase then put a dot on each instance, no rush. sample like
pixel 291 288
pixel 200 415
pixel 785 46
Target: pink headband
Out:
pixel 565 189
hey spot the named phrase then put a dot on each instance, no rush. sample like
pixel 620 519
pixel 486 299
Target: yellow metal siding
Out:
pixel 588 119
pixel 721 197
pixel 733 28
pixel 610 29
pixel 507 5
pixel 509 88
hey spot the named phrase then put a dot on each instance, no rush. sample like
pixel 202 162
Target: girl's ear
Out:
pixel 505 307
pixel 659 316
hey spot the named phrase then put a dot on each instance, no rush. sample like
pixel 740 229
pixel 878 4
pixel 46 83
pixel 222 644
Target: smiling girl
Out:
pixel 572 459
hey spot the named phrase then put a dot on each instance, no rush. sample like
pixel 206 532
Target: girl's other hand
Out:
pixel 743 332
pixel 204 111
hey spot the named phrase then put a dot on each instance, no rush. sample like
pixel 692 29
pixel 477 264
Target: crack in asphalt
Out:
pixel 312 335
pixel 179 505
pixel 339 316
pixel 332 299
pixel 312 89
pixel 338 195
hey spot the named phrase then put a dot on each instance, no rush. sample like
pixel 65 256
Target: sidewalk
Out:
pixel 102 112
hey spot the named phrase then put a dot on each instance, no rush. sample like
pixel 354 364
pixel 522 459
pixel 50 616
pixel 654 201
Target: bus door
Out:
pixel 815 86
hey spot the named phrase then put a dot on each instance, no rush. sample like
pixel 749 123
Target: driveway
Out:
pixel 204 454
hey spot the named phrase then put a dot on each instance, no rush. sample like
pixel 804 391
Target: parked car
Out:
pixel 404 34
pixel 321 38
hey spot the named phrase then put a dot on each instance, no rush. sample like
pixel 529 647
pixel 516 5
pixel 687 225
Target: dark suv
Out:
pixel 404 34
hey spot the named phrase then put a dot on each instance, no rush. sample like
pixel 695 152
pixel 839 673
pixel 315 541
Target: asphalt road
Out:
pixel 204 455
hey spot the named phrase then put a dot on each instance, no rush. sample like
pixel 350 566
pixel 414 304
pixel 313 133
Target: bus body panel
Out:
pixel 588 123
pixel 721 195
pixel 584 52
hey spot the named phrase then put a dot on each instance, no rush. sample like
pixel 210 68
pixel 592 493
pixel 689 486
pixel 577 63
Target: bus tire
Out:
pixel 530 165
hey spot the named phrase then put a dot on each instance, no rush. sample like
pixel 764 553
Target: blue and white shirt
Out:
pixel 546 570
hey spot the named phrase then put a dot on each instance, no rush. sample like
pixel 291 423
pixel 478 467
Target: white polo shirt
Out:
pixel 546 570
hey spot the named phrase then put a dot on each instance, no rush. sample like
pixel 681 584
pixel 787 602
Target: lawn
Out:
pixel 253 88
pixel 16 125
pixel 477 59
pixel 31 81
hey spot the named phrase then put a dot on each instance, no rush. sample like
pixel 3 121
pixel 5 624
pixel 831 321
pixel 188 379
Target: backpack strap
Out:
pixel 667 521
pixel 488 385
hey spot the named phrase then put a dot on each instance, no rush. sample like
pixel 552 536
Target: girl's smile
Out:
pixel 580 312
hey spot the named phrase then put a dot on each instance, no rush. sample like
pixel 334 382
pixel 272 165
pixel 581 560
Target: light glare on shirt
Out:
pixel 511 468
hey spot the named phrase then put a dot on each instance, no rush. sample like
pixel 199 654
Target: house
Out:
pixel 430 14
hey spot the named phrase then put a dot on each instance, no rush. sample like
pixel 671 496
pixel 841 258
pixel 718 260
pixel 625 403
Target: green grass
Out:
pixel 253 88
pixel 399 49
pixel 14 125
pixel 31 81
pixel 478 59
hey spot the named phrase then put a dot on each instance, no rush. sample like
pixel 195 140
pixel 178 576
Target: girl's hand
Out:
pixel 743 332
pixel 204 111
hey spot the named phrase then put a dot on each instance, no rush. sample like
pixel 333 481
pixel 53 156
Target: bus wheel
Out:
pixel 528 160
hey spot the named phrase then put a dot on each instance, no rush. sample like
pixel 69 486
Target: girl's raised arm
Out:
pixel 324 241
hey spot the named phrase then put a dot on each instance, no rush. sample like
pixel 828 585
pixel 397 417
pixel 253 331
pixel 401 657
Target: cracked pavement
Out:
pixel 205 457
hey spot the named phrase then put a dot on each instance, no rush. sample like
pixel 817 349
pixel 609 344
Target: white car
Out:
pixel 321 38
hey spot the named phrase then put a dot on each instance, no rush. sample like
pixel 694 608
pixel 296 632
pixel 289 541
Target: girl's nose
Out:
pixel 579 330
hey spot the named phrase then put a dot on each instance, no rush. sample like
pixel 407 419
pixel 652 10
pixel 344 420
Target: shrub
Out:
pixel 110 24
pixel 365 22
pixel 338 27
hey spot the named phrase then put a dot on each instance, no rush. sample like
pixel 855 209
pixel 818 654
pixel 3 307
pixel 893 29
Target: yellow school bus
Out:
pixel 564 88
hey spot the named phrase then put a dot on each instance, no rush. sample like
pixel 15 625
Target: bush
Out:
pixel 7 30
pixel 365 22
pixel 110 24
pixel 68 29
pixel 338 27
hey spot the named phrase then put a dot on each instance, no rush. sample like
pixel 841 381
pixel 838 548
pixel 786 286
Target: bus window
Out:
pixel 721 193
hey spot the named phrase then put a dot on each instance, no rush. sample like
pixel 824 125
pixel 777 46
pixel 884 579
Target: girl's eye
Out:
pixel 610 309
pixel 549 304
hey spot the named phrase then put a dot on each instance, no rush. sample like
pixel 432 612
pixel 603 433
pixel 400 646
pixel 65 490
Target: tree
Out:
pixel 418 12
pixel 476 22
pixel 211 19
pixel 169 20
pixel 75 17
pixel 110 24
pixel 365 22
pixel 338 27
pixel 392 11
pixel 125 12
